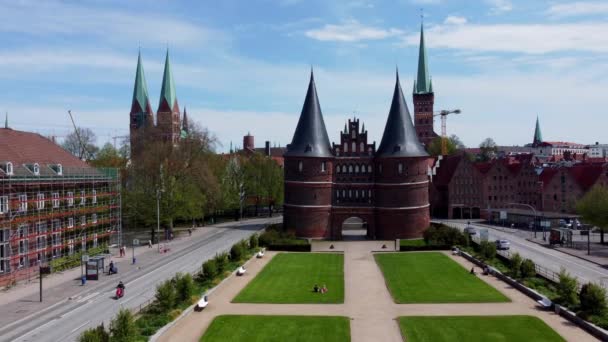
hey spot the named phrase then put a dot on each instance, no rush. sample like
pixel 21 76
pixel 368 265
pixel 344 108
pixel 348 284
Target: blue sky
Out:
pixel 243 66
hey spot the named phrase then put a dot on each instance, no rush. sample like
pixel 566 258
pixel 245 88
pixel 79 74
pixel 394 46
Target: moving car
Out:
pixel 470 230
pixel 502 244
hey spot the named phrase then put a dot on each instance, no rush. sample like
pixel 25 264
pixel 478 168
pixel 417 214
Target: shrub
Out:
pixel 173 314
pixel 443 235
pixel 515 265
pixel 487 250
pixel 566 289
pixel 184 287
pixel 236 252
pixel 122 327
pixel 165 296
pixel 222 261
pixel 98 334
pixel 593 299
pixel 527 269
pixel 253 241
pixel 210 269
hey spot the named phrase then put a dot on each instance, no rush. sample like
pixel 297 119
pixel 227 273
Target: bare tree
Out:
pixel 85 150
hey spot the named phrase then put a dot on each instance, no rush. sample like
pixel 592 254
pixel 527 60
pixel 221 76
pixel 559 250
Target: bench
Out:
pixel 201 304
pixel 545 302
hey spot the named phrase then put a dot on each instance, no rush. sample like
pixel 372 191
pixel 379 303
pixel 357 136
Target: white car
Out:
pixel 502 244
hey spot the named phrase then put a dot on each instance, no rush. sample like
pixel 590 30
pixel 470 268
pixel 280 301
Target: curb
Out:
pixel 189 310
pixel 568 253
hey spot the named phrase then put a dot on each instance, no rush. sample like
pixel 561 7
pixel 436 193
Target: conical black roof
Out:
pixel 400 138
pixel 310 138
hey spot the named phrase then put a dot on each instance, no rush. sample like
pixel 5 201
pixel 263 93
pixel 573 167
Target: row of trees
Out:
pixel 191 180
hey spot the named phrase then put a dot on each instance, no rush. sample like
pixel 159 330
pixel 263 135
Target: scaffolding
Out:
pixel 46 215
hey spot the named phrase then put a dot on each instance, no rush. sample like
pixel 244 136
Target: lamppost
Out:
pixel 159 190
pixel 533 210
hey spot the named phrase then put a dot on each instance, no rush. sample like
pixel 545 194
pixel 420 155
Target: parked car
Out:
pixel 502 244
pixel 470 230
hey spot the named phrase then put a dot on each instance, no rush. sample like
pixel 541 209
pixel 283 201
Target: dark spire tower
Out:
pixel 401 183
pixel 423 95
pixel 141 117
pixel 538 137
pixel 308 172
pixel 168 120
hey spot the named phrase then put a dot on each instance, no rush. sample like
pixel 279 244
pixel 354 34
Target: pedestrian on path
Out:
pixel 149 243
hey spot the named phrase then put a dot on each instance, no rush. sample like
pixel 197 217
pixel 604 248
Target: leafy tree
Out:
pixel 254 241
pixel 97 334
pixel 122 327
pixel 515 265
pixel 184 287
pixel 434 148
pixel 487 250
pixel 109 157
pixel 165 296
pixel 210 268
pixel 457 142
pixel 488 149
pixel 593 299
pixel 528 269
pixel 566 289
pixel 593 207
pixel 236 252
pixel 233 184
pixel 442 235
pixel 81 143
pixel 221 261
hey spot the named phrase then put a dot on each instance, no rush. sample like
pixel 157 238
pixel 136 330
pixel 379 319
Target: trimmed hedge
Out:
pixel 425 248
pixel 291 247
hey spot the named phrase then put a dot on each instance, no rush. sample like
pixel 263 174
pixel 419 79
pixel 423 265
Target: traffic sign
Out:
pixel 85 257
pixel 135 242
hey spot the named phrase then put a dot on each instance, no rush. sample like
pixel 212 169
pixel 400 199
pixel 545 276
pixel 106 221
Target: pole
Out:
pixel 158 218
pixel 133 245
pixel 40 275
pixel 589 242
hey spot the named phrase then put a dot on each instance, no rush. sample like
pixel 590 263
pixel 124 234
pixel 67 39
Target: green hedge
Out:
pixel 291 247
pixel 71 261
pixel 425 248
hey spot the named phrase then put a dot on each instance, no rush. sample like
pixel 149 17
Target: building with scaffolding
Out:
pixel 53 206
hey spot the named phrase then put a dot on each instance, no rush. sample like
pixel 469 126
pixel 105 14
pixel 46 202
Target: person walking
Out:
pixel 149 243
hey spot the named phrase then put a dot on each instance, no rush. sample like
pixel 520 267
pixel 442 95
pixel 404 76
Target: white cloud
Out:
pixel 455 20
pixel 351 31
pixel 94 23
pixel 580 8
pixel 522 38
pixel 499 6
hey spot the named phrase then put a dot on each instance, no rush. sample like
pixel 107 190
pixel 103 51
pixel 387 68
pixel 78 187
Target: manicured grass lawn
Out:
pixel 476 328
pixel 414 243
pixel 278 328
pixel 433 278
pixel 290 277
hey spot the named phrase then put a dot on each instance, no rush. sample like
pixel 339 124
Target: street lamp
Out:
pixel 159 190
pixel 533 210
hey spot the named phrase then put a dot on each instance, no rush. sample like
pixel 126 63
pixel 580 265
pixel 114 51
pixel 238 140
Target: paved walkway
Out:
pixel 367 302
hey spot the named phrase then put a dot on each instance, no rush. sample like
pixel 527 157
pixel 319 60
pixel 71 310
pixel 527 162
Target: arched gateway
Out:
pixel 327 184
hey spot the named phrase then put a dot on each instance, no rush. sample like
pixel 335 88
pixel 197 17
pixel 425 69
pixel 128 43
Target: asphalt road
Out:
pixel 546 257
pixel 65 320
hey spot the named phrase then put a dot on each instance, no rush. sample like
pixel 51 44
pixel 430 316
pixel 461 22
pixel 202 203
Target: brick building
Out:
pixel 170 124
pixel 386 187
pixel 52 204
pixel 276 153
pixel 423 97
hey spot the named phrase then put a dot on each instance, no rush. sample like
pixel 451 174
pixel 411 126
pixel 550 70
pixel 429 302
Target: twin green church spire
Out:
pixel 423 83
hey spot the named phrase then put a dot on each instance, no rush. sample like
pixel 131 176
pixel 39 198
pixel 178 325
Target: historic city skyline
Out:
pixel 236 76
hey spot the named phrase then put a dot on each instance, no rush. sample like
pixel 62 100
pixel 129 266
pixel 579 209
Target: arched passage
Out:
pixel 354 228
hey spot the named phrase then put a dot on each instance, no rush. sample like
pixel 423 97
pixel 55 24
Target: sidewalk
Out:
pixel 22 300
pixel 599 253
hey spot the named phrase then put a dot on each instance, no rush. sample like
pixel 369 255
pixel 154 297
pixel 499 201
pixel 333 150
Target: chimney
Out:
pixel 267 148
pixel 248 142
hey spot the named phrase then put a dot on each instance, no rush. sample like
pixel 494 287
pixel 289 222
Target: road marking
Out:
pixel 80 326
pixel 87 297
pixel 38 328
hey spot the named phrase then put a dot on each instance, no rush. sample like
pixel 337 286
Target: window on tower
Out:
pixel 300 166
pixel 322 166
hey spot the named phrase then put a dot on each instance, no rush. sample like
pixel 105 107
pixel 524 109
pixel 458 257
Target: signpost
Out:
pixel 135 243
pixel 483 235
pixel 42 271
pixel 83 261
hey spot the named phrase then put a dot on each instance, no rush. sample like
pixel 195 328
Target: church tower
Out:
pixel 424 98
pixel 141 118
pixel 308 173
pixel 401 183
pixel 168 114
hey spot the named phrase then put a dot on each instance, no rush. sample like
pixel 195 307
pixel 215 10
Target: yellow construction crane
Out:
pixel 444 135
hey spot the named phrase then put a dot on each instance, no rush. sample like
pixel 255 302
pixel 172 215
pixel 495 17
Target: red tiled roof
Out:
pixel 21 147
pixel 564 143
pixel 586 175
pixel 483 167
pixel 547 174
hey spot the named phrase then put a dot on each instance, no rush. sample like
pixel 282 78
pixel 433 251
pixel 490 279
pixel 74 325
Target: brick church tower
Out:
pixel 141 118
pixel 168 115
pixel 308 172
pixel 401 182
pixel 327 185
pixel 423 96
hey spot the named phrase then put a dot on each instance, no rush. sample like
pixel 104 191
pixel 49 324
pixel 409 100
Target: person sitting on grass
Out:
pixel 315 288
pixel 324 289
pixel 472 270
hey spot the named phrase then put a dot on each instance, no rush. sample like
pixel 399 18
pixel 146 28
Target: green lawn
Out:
pixel 476 328
pixel 413 243
pixel 278 328
pixel 433 278
pixel 290 277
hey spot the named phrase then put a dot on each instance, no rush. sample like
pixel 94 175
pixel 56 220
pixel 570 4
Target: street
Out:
pixel 94 303
pixel 546 257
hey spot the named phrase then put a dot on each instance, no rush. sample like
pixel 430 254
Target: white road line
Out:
pixel 76 329
pixel 87 297
pixel 34 330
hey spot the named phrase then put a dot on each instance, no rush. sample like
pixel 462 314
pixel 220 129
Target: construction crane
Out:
pixel 444 135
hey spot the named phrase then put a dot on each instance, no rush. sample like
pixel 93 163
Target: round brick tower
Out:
pixel 308 173
pixel 401 184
